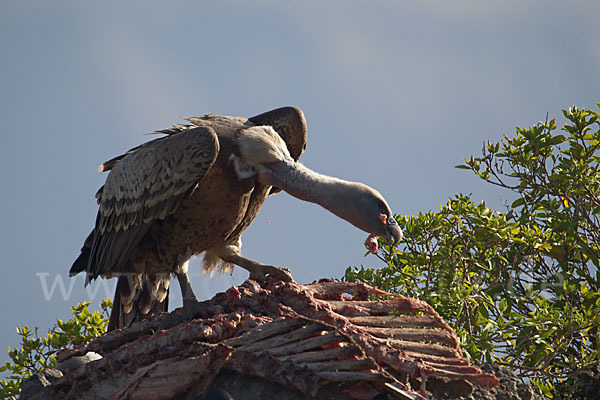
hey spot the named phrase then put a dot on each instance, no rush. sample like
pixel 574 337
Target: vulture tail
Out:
pixel 139 296
pixel 81 263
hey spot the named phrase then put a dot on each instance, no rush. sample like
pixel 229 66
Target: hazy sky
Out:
pixel 395 94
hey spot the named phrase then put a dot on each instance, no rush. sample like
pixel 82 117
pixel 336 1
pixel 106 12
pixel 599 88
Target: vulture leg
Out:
pixel 191 306
pixel 224 257
pixel 258 271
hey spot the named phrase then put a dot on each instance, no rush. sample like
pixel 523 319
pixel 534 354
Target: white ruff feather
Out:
pixel 262 144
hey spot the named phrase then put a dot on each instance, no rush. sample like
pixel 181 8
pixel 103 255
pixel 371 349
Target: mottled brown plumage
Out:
pixel 196 190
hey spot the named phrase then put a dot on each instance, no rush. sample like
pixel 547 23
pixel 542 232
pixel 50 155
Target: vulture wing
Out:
pixel 145 185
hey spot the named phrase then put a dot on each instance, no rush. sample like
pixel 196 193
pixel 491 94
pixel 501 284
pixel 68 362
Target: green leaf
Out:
pixel 518 202
pixel 503 305
pixel 558 139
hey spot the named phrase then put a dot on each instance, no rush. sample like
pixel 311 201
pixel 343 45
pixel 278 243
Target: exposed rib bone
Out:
pixel 432 335
pixel 280 340
pixel 341 365
pixel 327 354
pixel 306 344
pixel 396 321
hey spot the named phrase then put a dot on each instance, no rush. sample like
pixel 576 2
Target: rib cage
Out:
pixel 310 337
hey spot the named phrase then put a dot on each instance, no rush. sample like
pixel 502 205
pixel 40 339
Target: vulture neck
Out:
pixel 305 184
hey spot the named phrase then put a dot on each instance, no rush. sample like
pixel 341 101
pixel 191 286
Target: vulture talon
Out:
pixel 260 274
pixel 280 273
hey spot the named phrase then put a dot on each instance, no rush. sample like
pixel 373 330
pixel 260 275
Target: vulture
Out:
pixel 195 190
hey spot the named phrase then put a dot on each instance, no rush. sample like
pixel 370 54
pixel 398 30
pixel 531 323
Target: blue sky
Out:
pixel 395 94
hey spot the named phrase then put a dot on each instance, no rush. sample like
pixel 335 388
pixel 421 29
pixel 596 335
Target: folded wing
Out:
pixel 146 185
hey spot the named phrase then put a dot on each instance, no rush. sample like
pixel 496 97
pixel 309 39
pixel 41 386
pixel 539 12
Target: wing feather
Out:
pixel 145 185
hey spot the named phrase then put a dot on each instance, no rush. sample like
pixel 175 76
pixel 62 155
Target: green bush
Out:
pixel 520 287
pixel 37 353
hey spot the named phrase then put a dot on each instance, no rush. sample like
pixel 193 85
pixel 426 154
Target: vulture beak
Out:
pixel 394 233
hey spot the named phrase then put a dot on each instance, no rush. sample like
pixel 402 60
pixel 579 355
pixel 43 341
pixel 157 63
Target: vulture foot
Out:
pixel 193 308
pixel 260 273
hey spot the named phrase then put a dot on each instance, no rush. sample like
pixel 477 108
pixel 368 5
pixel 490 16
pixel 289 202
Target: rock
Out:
pixel 78 361
pixel 33 387
pixel 579 387
pixel 509 388
pixel 449 389
pixel 243 387
pixel 214 394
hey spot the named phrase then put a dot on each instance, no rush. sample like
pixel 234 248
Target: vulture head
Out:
pixel 365 208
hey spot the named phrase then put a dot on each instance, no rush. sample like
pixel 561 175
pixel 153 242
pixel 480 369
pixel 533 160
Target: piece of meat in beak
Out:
pixel 392 237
